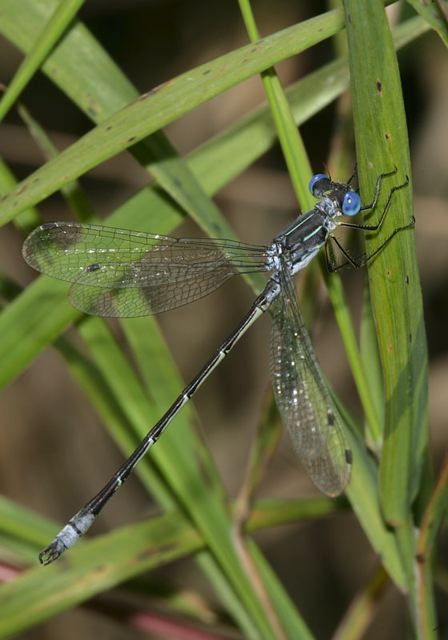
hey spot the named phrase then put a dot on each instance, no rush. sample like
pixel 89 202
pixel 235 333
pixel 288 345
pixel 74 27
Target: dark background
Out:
pixel 48 429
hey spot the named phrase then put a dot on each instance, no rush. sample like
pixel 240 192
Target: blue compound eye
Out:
pixel 351 203
pixel 315 179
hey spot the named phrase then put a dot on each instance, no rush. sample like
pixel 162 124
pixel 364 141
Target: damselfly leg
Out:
pixel 361 260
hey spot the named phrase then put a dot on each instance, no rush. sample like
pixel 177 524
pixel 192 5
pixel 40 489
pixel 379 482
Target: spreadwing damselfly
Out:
pixel 123 273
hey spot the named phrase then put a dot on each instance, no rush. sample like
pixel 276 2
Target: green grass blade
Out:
pixel 271 512
pixel 73 193
pixel 382 144
pixel 53 30
pixel 363 494
pixel 293 149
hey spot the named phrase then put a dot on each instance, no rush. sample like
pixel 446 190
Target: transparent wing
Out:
pixel 303 399
pixel 118 272
pixel 162 294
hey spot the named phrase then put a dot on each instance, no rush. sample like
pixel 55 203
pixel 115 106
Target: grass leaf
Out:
pixel 382 145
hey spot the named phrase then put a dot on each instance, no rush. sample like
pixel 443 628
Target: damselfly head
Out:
pixel 347 200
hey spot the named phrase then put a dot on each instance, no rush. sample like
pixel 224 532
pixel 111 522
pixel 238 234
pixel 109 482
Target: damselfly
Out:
pixel 122 273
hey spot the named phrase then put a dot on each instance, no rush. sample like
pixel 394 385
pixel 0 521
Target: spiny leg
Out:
pixel 377 226
pixel 376 193
pixel 363 259
pixel 354 174
pixel 359 261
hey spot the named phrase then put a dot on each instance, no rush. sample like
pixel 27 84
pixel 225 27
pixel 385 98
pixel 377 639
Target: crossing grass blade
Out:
pixel 74 195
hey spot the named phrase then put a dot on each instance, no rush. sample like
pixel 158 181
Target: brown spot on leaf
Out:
pixel 379 87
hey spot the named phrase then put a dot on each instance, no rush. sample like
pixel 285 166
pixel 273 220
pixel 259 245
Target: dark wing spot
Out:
pixel 93 267
pixel 348 456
